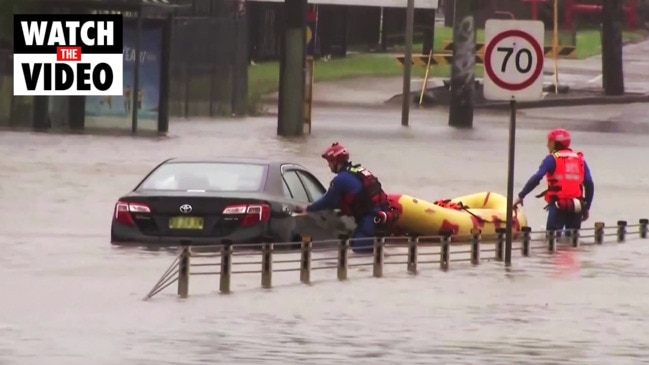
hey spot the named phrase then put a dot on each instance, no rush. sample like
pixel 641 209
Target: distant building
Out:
pixel 341 25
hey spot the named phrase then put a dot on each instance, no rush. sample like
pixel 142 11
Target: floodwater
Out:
pixel 70 298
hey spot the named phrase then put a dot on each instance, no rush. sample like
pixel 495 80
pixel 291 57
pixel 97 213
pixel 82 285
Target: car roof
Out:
pixel 241 160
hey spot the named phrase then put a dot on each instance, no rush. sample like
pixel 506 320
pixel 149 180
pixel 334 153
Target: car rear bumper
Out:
pixel 125 234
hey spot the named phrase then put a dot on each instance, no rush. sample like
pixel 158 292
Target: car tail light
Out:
pixel 124 209
pixel 251 214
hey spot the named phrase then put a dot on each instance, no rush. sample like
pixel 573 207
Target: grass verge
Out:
pixel 589 42
pixel 263 78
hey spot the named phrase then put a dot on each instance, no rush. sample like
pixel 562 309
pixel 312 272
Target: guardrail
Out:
pixel 227 255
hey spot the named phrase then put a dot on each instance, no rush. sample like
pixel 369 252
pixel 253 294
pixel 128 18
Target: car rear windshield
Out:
pixel 208 176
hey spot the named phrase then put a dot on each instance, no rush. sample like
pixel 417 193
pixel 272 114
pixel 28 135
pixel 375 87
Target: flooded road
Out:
pixel 68 297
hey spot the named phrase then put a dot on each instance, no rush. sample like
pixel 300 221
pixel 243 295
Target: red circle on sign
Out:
pixel 488 67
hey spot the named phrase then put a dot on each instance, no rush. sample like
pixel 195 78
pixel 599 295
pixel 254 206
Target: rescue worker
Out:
pixel 357 193
pixel 570 185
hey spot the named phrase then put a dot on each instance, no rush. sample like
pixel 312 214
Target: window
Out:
pixel 312 185
pixel 207 176
pixel 295 186
pixel 287 191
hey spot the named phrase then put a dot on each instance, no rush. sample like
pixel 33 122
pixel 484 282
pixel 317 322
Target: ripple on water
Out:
pixel 68 298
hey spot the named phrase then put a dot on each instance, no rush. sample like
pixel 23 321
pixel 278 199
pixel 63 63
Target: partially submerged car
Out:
pixel 209 201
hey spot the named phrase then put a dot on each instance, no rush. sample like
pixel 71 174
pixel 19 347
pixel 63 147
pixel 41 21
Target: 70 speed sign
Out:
pixel 513 59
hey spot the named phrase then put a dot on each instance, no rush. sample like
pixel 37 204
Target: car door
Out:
pixel 308 224
pixel 331 222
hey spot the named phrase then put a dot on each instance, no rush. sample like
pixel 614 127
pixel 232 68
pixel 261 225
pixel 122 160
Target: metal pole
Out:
pixel 183 272
pixel 407 63
pixel 379 245
pixel 136 72
pixel 234 92
pixel 305 262
pixel 381 26
pixel 413 244
pixel 226 268
pixel 612 60
pixel 510 182
pixel 267 265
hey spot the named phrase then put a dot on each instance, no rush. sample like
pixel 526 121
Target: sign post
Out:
pixel 513 71
pixel 311 24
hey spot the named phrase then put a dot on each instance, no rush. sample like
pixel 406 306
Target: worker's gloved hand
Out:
pixel 517 202
pixel 584 215
pixel 300 209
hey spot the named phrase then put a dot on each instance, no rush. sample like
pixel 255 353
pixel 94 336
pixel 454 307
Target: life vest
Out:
pixel 566 181
pixel 370 198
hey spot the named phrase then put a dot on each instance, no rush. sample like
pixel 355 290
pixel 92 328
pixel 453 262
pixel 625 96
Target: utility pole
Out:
pixel 612 64
pixel 463 68
pixel 292 65
pixel 407 64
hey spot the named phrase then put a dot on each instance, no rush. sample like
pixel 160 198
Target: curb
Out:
pixel 338 104
pixel 545 103
pixel 570 101
pixel 91 131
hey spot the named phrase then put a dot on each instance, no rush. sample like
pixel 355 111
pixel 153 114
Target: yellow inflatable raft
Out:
pixel 486 211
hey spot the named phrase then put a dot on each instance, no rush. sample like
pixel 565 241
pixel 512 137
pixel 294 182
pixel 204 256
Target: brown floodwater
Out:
pixel 68 297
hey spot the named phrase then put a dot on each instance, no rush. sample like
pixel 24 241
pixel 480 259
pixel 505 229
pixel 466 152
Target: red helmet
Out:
pixel 336 153
pixel 560 135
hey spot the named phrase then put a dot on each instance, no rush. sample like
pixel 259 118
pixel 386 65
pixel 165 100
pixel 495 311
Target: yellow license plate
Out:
pixel 186 223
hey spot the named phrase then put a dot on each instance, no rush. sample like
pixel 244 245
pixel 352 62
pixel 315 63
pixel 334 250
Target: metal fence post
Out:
pixel 379 245
pixel 267 265
pixel 551 238
pixel 527 240
pixel 475 246
pixel 621 231
pixel 226 267
pixel 599 232
pixel 644 225
pixel 574 238
pixel 342 257
pixel 183 271
pixel 413 246
pixel 500 243
pixel 445 252
pixel 305 262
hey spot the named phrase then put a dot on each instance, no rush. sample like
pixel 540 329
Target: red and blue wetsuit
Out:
pixel 562 186
pixel 357 193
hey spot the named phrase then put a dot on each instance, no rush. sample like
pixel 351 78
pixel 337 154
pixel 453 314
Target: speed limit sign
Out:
pixel 513 59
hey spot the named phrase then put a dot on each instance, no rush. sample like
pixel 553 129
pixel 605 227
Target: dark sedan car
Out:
pixel 208 201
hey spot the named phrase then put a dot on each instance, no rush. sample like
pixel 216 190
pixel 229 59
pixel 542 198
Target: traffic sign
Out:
pixel 513 60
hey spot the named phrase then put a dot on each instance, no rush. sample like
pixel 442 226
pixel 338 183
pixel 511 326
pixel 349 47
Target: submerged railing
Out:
pixel 440 250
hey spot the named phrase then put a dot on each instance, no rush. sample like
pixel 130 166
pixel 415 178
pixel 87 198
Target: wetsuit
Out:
pixel 343 186
pixel 560 219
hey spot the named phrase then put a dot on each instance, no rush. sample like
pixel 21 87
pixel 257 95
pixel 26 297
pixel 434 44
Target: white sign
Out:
pixel 513 59
pixel 68 55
